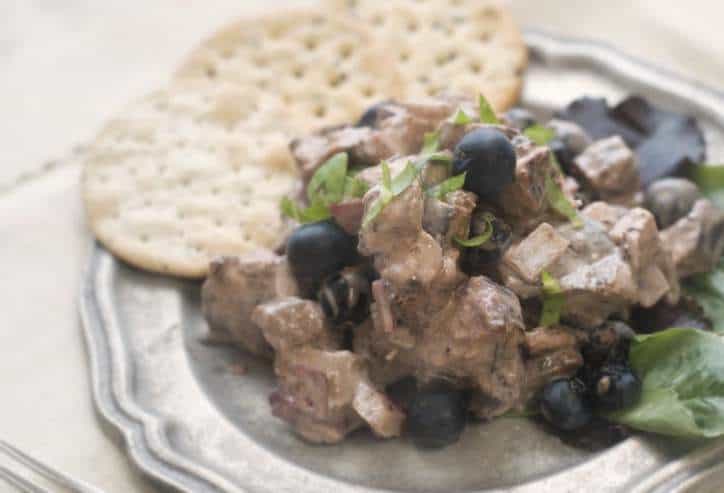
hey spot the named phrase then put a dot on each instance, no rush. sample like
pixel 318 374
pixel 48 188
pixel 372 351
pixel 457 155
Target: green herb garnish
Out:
pixel 487 114
pixel 450 185
pixel 553 300
pixel 330 184
pixel 560 203
pixel 431 143
pixel 481 239
pixel 539 134
pixel 710 179
pixel 460 118
pixel 682 371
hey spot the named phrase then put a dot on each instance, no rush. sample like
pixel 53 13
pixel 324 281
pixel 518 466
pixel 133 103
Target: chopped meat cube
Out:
pixel 636 233
pixel 525 198
pixel 398 129
pixel 696 241
pixel 378 411
pixel 609 167
pixel 349 214
pixel 327 394
pixel 605 213
pixel 535 253
pixel 554 352
pixel 293 322
pixel 653 285
pixel 234 287
pixel 543 340
pixel 595 292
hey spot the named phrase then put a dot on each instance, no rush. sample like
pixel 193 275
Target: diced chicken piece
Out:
pixel 525 198
pixel 349 214
pixel 313 151
pixel 478 338
pixel 234 287
pixel 553 352
pixel 595 292
pixel 605 213
pixel 376 409
pixel 636 233
pixel 543 340
pixel 541 370
pixel 402 251
pixel 325 395
pixel 391 129
pixel 451 134
pixel 610 169
pixel 696 241
pixel 530 257
pixel 291 322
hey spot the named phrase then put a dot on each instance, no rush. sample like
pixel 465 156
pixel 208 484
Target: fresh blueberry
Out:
pixel 565 404
pixel 437 416
pixel 316 251
pixel 489 159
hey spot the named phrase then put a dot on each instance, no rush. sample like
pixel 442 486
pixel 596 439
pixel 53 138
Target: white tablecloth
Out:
pixel 65 66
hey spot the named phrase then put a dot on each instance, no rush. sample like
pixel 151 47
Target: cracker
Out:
pixel 323 62
pixel 459 46
pixel 197 170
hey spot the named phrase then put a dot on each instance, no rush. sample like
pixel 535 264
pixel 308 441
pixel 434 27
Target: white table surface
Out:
pixel 65 66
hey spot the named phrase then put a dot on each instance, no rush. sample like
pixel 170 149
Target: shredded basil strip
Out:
pixel 460 118
pixel 539 134
pixel 330 184
pixel 329 180
pixel 481 239
pixel 560 203
pixel 710 179
pixel 487 114
pixel 431 143
pixel 450 185
pixel 553 300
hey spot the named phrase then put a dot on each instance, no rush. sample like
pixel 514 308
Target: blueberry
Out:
pixel 617 387
pixel 670 199
pixel 318 250
pixel 437 416
pixel 489 159
pixel 565 404
pixel 345 297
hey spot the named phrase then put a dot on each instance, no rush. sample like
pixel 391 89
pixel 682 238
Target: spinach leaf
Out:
pixel 683 384
pixel 708 290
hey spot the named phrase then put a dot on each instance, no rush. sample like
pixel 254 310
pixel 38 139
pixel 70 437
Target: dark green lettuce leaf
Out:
pixel 708 290
pixel 683 384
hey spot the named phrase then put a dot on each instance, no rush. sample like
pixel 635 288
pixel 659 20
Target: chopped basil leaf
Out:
pixel 354 187
pixel 682 371
pixel 317 211
pixel 539 134
pixel 431 143
pixel 553 300
pixel 386 176
pixel 481 239
pixel 560 203
pixel 449 185
pixel 487 114
pixel 329 180
pixel 460 118
pixel 710 179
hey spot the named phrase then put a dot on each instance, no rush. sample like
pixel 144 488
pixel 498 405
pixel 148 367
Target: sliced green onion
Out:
pixel 481 239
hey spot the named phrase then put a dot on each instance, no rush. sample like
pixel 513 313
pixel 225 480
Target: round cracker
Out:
pixel 324 62
pixel 457 46
pixel 198 169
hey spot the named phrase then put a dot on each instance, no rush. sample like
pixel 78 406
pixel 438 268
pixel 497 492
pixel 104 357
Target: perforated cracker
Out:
pixel 467 46
pixel 198 169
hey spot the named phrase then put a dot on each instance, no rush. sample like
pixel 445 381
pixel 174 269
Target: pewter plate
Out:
pixel 192 423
